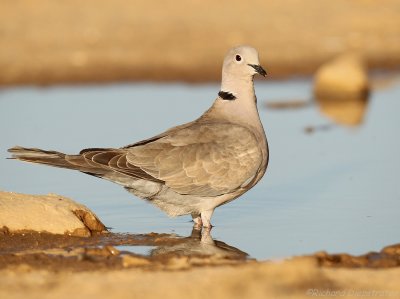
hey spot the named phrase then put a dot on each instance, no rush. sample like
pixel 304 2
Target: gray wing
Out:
pixel 203 159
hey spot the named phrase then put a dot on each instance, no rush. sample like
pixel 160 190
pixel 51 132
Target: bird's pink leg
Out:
pixel 206 218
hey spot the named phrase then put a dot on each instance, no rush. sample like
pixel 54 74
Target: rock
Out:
pixel 392 250
pixel 386 258
pixel 341 89
pixel 342 78
pixel 46 213
pixel 104 251
pixel 134 261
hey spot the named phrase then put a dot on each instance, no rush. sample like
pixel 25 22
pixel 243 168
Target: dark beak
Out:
pixel 259 69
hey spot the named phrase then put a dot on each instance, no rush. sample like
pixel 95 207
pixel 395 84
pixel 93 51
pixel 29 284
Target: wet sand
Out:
pixel 100 41
pixel 62 252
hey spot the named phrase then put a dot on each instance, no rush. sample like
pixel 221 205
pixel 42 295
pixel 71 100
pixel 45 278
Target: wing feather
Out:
pixel 204 160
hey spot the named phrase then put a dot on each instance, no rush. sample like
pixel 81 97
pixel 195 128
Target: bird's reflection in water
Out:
pixel 200 243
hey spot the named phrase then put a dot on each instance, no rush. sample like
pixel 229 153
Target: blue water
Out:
pixel 336 190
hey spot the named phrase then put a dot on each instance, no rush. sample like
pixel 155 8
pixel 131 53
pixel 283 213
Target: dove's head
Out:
pixel 242 62
pixel 236 100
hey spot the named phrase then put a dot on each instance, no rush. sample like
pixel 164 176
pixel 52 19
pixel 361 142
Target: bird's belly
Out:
pixel 176 204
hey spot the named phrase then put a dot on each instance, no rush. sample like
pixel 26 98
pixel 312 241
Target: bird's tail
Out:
pixel 35 155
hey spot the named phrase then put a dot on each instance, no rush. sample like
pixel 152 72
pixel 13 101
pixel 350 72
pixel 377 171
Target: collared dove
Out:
pixel 192 168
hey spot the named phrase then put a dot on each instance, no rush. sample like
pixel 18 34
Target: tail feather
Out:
pixel 90 162
pixel 36 155
pixel 56 159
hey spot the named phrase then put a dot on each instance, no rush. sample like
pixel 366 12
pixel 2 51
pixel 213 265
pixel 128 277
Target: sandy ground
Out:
pixel 296 278
pixel 47 42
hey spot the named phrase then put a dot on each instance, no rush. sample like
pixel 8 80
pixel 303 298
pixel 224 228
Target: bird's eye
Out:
pixel 238 58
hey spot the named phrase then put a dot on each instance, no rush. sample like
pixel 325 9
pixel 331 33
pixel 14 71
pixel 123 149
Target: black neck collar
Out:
pixel 226 95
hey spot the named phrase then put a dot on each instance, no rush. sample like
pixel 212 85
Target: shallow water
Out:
pixel 335 189
pixel 143 250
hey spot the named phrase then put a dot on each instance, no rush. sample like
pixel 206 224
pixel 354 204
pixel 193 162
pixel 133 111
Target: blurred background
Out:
pixel 47 42
pixel 95 73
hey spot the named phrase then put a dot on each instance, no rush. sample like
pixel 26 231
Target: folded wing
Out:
pixel 203 160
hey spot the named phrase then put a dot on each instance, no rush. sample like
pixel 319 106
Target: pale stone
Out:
pixel 46 213
pixel 131 260
pixel 341 89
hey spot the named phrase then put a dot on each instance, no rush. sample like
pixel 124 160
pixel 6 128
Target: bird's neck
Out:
pixel 238 86
pixel 241 107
